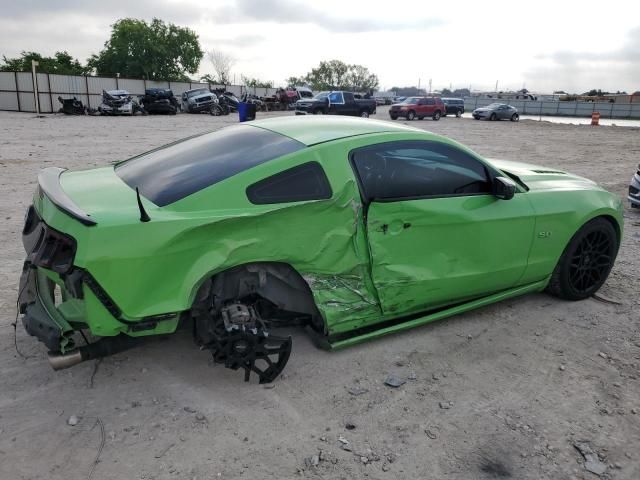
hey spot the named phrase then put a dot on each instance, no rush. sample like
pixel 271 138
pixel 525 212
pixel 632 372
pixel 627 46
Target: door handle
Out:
pixel 396 227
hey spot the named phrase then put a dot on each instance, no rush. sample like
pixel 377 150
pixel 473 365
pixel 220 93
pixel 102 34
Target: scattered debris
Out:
pixel 412 376
pixel 350 426
pixel 562 368
pixel 343 440
pixel 269 386
pixel 603 355
pixel 430 434
pixel 385 467
pixel 394 381
pixel 591 461
pixel 102 440
pixel 601 298
pixel 445 405
pixel 189 410
pixel 73 421
pixel 162 452
pixel 200 417
pixel 355 391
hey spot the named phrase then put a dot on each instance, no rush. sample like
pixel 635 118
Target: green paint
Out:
pixel 456 249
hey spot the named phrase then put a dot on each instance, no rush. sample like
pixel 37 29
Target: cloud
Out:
pixel 289 12
pixel 240 41
pixel 577 71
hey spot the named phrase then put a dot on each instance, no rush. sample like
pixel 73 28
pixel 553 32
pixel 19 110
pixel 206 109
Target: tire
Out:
pixel 458 113
pixel 318 111
pixel 420 118
pixel 586 261
pixel 436 116
pixel 364 114
pixel 215 110
pixel 411 115
pixel 515 117
pixel 493 117
pixel 393 117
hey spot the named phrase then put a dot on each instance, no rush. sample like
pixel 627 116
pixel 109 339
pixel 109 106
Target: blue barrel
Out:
pixel 242 111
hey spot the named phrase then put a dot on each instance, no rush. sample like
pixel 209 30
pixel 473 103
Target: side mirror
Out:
pixel 504 188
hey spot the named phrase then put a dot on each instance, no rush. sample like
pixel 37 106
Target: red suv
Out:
pixel 420 107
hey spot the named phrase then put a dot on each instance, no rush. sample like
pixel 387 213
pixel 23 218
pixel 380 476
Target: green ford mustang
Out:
pixel 355 228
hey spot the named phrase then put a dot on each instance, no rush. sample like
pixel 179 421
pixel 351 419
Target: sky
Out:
pixel 543 45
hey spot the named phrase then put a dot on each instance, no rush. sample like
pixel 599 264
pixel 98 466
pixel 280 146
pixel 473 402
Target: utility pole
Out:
pixel 34 64
pixel 429 86
pixel 496 86
pixel 419 83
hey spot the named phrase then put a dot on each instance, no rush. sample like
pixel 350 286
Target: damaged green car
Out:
pixel 351 227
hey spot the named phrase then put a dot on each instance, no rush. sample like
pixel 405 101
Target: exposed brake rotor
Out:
pixel 239 339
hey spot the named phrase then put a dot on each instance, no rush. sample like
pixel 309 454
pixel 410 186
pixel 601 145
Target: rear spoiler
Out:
pixel 49 184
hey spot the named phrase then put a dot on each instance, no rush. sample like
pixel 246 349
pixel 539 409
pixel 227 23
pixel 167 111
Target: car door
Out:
pixel 336 103
pixel 504 112
pixel 350 106
pixel 436 233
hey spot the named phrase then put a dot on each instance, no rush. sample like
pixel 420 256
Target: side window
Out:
pixel 430 101
pixel 336 97
pixel 304 182
pixel 410 169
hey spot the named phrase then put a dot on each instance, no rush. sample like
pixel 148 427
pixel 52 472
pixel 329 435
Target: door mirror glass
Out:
pixel 504 188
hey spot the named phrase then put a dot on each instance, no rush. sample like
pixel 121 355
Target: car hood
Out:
pixel 537 177
pixel 202 95
pixel 483 109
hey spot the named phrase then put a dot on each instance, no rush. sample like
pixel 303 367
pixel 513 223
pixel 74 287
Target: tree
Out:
pixel 222 64
pixel 255 82
pixel 408 91
pixel 61 63
pixel 337 75
pixel 156 51
pixel 445 92
pixel 461 92
pixel 296 81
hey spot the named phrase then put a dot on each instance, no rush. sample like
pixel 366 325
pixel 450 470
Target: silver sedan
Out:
pixel 497 111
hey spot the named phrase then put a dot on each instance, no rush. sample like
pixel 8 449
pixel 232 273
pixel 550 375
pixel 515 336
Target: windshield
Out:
pixel 200 91
pixel 170 173
pixel 411 100
pixel 494 105
pixel 321 96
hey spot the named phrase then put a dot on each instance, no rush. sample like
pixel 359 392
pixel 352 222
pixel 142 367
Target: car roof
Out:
pixel 311 129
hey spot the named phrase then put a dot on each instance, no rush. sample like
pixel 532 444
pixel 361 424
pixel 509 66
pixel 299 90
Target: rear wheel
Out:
pixel 364 113
pixel 515 117
pixel 411 115
pixel 318 111
pixel 393 117
pixel 436 116
pixel 459 113
pixel 493 117
pixel 586 261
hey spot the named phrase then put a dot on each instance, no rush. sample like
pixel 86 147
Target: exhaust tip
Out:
pixel 65 360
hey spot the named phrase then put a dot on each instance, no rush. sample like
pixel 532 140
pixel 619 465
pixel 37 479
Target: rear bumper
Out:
pixel 37 305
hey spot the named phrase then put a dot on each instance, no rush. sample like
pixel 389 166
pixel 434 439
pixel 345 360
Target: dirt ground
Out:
pixel 507 391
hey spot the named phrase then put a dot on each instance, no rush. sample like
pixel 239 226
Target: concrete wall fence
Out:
pixel 562 109
pixel 17 89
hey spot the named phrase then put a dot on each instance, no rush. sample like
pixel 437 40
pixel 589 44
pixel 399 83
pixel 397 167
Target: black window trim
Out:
pixel 328 191
pixel 491 175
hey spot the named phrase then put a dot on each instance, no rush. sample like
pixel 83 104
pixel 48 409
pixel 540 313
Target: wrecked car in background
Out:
pixel 118 102
pixel 159 101
pixel 198 100
pixel 634 189
pixel 353 228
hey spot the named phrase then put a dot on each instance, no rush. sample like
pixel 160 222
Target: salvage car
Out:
pixel 353 228
pixel 497 111
pixel 118 102
pixel 337 103
pixel 198 100
pixel 634 190
pixel 418 107
pixel 453 106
